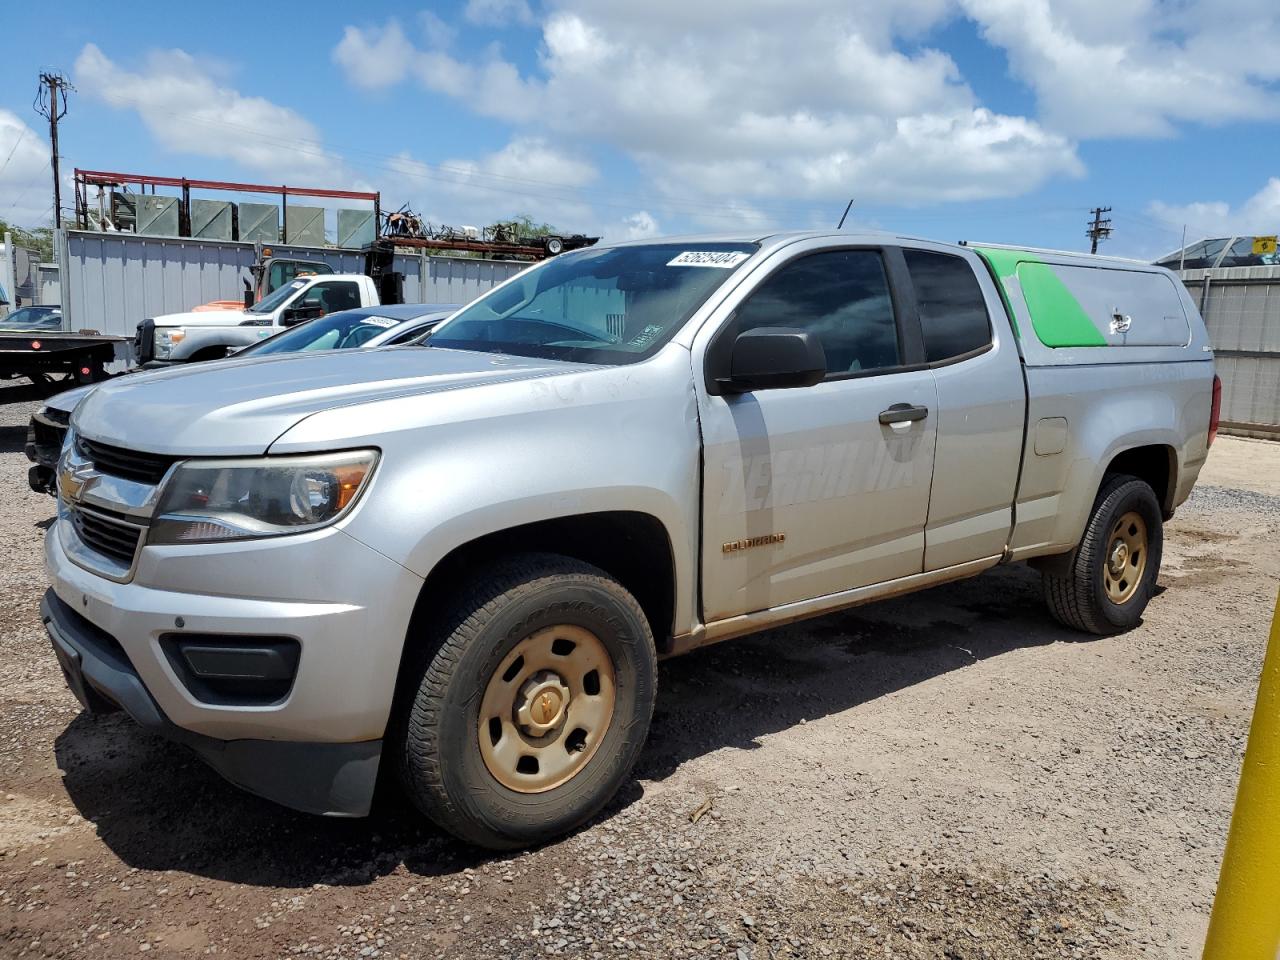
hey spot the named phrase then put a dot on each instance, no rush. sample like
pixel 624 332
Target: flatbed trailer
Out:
pixel 46 358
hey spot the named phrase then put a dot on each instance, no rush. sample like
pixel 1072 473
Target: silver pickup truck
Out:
pixel 464 559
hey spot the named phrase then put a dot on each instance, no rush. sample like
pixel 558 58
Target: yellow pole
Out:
pixel 1246 913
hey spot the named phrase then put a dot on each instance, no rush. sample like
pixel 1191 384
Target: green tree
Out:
pixel 39 239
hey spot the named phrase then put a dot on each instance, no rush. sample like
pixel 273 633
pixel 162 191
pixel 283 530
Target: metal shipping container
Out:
pixel 211 219
pixel 304 225
pixel 1241 309
pixel 157 216
pixel 259 222
pixel 355 228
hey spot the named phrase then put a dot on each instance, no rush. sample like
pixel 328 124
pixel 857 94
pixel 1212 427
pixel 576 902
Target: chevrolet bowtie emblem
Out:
pixel 74 477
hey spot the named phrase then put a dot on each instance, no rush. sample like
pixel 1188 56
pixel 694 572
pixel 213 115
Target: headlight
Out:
pixel 166 339
pixel 214 500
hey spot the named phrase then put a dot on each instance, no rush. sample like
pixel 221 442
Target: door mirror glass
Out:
pixel 774 358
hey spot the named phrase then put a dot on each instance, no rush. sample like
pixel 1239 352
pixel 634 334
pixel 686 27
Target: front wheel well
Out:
pixel 1156 464
pixel 631 547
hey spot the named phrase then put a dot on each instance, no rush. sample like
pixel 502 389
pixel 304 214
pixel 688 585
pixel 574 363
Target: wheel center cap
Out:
pixel 1119 556
pixel 542 703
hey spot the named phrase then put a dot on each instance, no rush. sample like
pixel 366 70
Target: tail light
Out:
pixel 1215 410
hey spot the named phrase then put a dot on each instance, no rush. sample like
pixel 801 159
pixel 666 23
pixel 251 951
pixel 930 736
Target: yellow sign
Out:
pixel 1263 245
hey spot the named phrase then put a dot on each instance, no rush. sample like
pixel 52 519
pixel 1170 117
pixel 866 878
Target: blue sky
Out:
pixel 1000 120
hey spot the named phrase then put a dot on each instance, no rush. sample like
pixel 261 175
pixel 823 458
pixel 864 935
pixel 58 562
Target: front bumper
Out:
pixel 317 748
pixel 333 779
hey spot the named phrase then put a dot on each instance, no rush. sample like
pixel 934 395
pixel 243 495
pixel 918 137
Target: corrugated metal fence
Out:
pixel 112 281
pixel 1241 309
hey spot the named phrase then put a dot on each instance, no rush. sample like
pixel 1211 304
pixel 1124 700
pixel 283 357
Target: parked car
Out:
pixel 363 327
pixel 47 317
pixel 464 559
pixel 383 326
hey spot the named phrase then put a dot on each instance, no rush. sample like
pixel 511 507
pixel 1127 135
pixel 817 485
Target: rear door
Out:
pixel 806 492
pixel 981 406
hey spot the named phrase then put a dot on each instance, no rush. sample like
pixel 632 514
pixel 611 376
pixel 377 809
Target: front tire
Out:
pixel 532 705
pixel 1113 573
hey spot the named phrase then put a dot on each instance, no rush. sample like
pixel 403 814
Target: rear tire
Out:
pixel 1113 572
pixel 531 705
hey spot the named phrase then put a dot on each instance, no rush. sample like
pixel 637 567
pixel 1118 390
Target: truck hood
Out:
pixel 204 318
pixel 239 407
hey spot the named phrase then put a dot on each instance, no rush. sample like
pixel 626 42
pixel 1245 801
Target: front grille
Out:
pixel 106 535
pixel 148 468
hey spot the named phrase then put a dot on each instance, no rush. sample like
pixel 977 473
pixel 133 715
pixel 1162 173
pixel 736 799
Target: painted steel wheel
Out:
pixel 530 703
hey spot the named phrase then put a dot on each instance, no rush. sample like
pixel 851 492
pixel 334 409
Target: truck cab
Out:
pixel 209 334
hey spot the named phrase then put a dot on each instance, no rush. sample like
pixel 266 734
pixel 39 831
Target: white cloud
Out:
pixel 376 57
pixel 498 13
pixel 26 182
pixel 639 226
pixel 1132 68
pixel 187 107
pixel 1258 215
pixel 526 175
pixel 733 104
pixel 437 32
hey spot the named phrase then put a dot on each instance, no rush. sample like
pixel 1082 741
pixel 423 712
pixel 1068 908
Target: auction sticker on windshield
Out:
pixel 386 323
pixel 724 259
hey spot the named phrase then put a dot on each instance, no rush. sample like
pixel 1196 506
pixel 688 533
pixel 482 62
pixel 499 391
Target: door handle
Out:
pixel 903 413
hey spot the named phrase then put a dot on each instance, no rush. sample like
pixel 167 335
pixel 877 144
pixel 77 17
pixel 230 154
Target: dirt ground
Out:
pixel 946 775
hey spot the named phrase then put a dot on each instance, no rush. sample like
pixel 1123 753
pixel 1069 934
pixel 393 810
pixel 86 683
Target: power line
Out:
pixel 17 143
pixel 1099 229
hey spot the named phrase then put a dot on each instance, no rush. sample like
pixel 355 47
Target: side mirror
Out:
pixel 774 358
pixel 292 316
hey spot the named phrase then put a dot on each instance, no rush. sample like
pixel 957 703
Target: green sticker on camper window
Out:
pixel 1056 314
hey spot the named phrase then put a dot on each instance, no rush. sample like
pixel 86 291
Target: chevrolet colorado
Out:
pixel 464 559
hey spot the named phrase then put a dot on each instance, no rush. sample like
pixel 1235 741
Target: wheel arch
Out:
pixel 1154 463
pixel 632 546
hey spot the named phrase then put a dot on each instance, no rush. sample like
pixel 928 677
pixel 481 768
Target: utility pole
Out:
pixel 51 103
pixel 1099 229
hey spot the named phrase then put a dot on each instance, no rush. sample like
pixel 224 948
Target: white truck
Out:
pixel 464 559
pixel 211 334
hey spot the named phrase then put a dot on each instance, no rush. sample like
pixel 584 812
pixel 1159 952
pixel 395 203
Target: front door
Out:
pixel 806 492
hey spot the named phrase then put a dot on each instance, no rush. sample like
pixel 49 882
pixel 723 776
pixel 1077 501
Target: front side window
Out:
pixel 953 312
pixel 610 305
pixel 843 297
pixel 332 296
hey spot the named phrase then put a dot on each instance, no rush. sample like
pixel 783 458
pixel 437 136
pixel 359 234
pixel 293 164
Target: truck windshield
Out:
pixel 611 305
pixel 269 303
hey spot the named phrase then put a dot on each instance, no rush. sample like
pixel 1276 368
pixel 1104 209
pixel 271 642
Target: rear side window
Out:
pixel 843 297
pixel 953 312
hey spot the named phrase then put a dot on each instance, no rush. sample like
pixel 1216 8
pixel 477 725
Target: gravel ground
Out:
pixel 947 775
